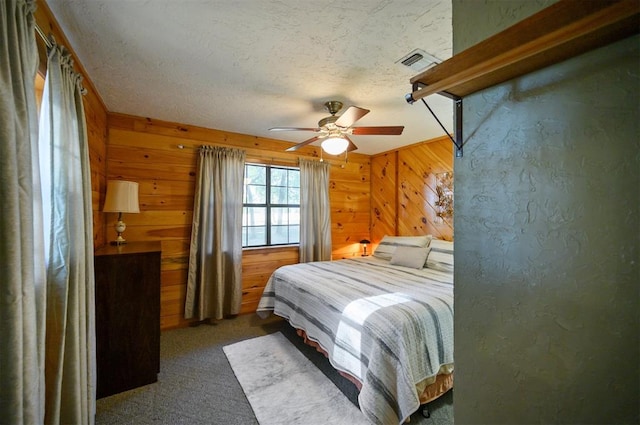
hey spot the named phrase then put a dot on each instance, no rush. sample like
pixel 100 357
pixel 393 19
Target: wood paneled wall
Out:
pixel 391 193
pixel 96 117
pixel 403 191
pixel 147 151
pixel 384 195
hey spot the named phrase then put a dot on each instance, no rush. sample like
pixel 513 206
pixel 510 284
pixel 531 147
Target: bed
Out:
pixel 385 321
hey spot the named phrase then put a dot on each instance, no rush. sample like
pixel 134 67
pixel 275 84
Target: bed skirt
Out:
pixel 428 390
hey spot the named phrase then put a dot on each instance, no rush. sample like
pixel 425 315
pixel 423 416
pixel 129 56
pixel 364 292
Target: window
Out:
pixel 271 205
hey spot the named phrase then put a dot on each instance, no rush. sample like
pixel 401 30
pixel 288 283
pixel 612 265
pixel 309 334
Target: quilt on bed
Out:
pixel 390 327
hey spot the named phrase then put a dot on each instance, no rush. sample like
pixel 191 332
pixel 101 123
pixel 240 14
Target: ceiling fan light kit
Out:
pixel 335 145
pixel 335 129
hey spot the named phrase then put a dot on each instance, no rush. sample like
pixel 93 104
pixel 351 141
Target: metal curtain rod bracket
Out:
pixel 457 116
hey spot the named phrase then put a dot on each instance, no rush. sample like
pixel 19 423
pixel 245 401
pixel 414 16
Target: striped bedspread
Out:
pixel 390 327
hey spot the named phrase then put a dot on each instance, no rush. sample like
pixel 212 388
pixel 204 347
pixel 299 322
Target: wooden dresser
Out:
pixel 127 316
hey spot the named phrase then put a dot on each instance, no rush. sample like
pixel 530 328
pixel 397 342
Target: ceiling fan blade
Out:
pixel 305 143
pixel 352 146
pixel 390 130
pixel 350 116
pixel 316 130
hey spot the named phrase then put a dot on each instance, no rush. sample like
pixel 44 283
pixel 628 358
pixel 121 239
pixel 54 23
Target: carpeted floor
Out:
pixel 196 384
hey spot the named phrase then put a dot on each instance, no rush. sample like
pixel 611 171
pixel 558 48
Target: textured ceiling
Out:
pixel 248 65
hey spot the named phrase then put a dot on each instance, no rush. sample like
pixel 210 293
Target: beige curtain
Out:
pixel 70 365
pixel 315 211
pixel 22 274
pixel 214 283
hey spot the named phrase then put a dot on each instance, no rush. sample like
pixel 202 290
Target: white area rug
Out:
pixel 284 387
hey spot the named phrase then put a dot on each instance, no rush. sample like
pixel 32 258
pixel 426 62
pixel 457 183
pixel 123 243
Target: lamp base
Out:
pixel 119 240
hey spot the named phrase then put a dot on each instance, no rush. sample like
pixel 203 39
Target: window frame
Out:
pixel 268 206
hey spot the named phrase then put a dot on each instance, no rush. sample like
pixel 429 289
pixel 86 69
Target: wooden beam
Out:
pixel 564 30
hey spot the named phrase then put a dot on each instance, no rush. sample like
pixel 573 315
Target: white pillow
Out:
pixel 441 255
pixel 388 244
pixel 410 256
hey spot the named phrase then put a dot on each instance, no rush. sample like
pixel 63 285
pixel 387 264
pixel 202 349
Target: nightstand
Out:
pixel 127 316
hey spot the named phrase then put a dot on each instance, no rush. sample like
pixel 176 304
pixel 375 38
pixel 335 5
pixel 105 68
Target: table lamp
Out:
pixel 122 197
pixel 364 243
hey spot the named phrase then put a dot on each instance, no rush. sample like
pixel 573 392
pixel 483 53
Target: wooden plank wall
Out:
pixel 391 193
pixel 384 195
pixel 146 151
pixel 403 190
pixel 96 117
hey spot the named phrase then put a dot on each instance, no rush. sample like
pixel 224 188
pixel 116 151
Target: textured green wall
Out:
pixel 547 232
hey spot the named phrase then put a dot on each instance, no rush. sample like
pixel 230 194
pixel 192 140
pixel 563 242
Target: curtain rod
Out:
pixel 288 160
pixel 49 45
pixel 267 157
pixel 43 36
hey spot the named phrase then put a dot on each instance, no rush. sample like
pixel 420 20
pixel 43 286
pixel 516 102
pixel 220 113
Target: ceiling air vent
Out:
pixel 418 60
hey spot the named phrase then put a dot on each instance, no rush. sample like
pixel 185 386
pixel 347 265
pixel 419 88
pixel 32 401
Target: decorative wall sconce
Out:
pixel 364 244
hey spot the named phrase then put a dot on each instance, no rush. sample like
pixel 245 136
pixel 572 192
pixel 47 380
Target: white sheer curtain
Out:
pixel 70 365
pixel 214 283
pixel 315 211
pixel 22 274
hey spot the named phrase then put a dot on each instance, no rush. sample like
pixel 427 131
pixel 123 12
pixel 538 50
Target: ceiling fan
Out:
pixel 335 130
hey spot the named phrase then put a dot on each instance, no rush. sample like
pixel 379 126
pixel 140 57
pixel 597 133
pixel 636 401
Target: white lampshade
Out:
pixel 335 145
pixel 122 196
